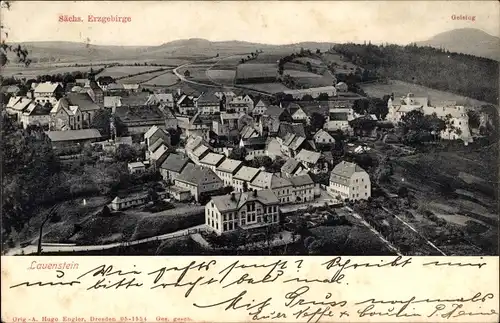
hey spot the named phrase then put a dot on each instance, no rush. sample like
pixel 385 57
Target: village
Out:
pixel 246 170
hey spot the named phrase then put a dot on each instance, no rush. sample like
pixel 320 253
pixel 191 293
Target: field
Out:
pixel 165 79
pixel 313 61
pixel 141 78
pixel 198 72
pixel 34 71
pixel 124 71
pixel 221 76
pixel 300 74
pixel 341 65
pixel 266 87
pixel 228 63
pixel 400 88
pixel 253 73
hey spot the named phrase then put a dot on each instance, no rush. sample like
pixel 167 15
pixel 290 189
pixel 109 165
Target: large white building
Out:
pixel 349 181
pixel 339 116
pixel 455 115
pixel 248 210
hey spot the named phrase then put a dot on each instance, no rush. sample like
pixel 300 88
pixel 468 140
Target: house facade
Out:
pixel 228 169
pixel 280 186
pixel 349 181
pixel 198 180
pixel 243 178
pixel 303 188
pixel 248 211
pixel 173 165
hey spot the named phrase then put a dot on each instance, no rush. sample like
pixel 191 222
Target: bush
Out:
pixel 473 227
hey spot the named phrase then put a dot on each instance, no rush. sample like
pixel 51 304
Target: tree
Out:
pixel 307 97
pixel 101 121
pixel 262 161
pixel 187 73
pixel 317 121
pixel 361 106
pixel 125 153
pixel 238 153
pixel 309 66
pixel 323 97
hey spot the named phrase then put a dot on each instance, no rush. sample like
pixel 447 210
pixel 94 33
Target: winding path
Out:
pixel 54 248
pixel 230 87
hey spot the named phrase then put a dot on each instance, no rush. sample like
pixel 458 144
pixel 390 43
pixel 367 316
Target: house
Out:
pixel 303 188
pixel 139 119
pixel 339 116
pixel 241 103
pixel 225 123
pixel 314 92
pixel 16 106
pixel 260 107
pixel 254 147
pixel 243 177
pixel 35 114
pixel 272 118
pixel 349 181
pixel 341 87
pixel 179 193
pixel 227 169
pixel 120 203
pixel 194 126
pixel 173 165
pixel 227 94
pixel 94 90
pixel 212 161
pixel 72 112
pixel 292 167
pixel 200 181
pixel 131 87
pixel 72 138
pixel 246 210
pixel 46 90
pixel 280 186
pixel 112 101
pixel 154 134
pixel 136 167
pixel 113 88
pixel 455 116
pixel 292 144
pixel 207 103
pixel 295 128
pixel 166 99
pixel 297 113
pixel 196 148
pixel 248 132
pixel 321 137
pixel 158 156
pixel 186 106
pixel 310 159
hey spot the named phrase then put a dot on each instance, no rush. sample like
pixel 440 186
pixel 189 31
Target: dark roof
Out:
pixel 197 175
pixel 297 129
pixel 226 203
pixel 290 166
pixel 70 135
pixel 293 107
pixel 301 180
pixel 83 101
pixel 135 99
pixel 274 111
pixel 208 97
pixel 138 113
pixel 255 142
pixel 175 163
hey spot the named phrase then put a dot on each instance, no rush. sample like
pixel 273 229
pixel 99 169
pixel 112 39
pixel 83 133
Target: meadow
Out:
pixel 165 79
pixel 125 71
pixel 266 87
pixel 34 71
pixel 142 78
pixel 221 76
pixel 254 73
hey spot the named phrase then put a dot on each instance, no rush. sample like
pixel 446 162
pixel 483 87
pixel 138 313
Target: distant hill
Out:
pixel 195 47
pixel 468 41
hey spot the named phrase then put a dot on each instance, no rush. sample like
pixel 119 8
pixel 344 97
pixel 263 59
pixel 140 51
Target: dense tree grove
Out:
pixel 463 74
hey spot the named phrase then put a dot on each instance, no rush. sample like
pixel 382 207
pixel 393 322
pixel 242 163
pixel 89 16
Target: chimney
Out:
pixel 255 193
pixel 233 197
pixel 179 92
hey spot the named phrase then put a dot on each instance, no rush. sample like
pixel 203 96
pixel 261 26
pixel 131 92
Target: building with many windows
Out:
pixel 349 181
pixel 248 211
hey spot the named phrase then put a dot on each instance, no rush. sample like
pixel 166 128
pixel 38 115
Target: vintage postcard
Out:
pixel 241 161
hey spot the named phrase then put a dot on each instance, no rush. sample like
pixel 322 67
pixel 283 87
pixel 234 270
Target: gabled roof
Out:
pixel 154 146
pixel 35 108
pixel 267 180
pixel 308 156
pixel 46 87
pixel 229 165
pixel 114 87
pixel 69 135
pixel 159 152
pixel 229 116
pixel 290 166
pixel 193 142
pixel 321 133
pixel 175 163
pixel 136 164
pixel 160 97
pixel 246 173
pixel 22 104
pixel 13 100
pixel 274 111
pixel 197 175
pixel 83 101
pixel 343 171
pixel 294 128
pixel 226 203
pixel 247 132
pixel 255 142
pixel 151 131
pixel 200 150
pixel 301 180
pixel 293 107
pixel 212 159
pixel 208 97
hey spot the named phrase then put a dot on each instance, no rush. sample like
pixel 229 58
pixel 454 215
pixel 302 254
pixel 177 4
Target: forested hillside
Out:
pixel 462 74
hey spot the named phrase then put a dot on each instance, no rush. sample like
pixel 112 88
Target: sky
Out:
pixel 275 22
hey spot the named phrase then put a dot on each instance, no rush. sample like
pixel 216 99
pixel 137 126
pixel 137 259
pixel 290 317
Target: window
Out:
pixel 366 186
pixel 225 217
pixel 225 227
